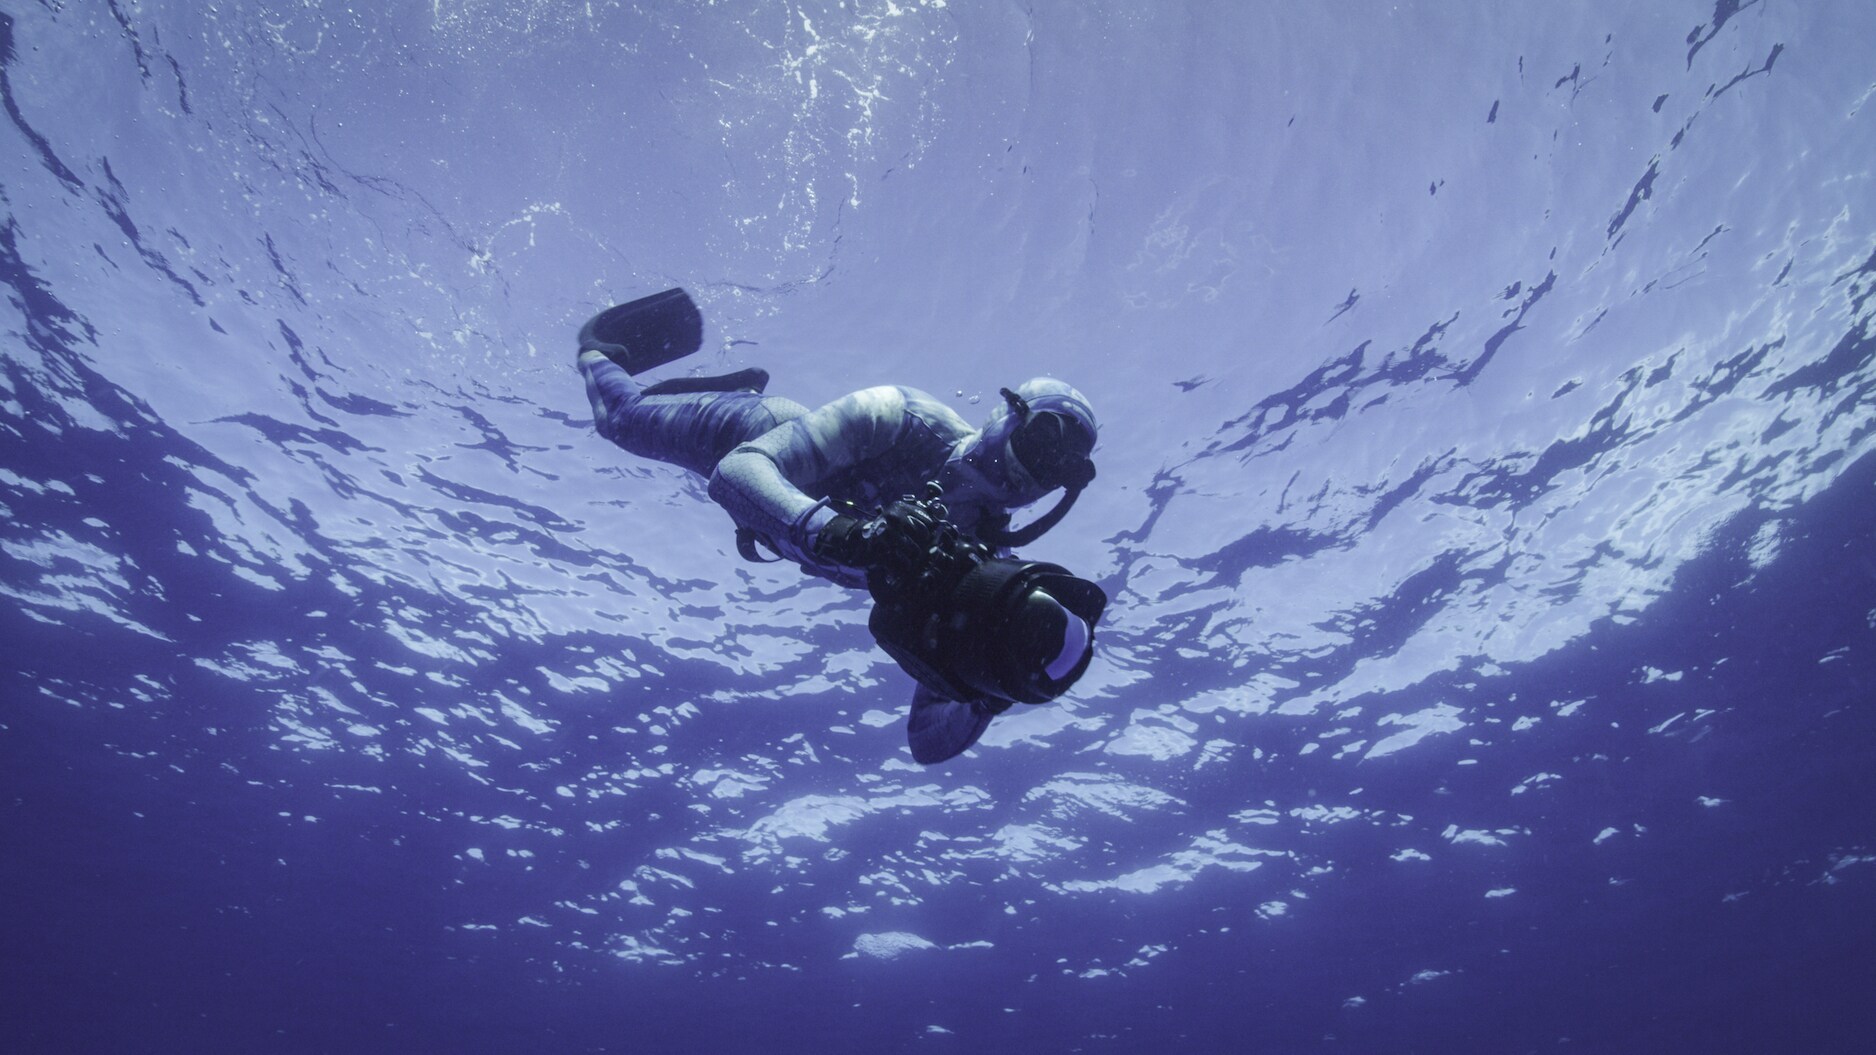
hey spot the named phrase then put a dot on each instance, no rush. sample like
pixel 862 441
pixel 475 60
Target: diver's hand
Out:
pixel 894 539
pixel 881 541
pixel 847 540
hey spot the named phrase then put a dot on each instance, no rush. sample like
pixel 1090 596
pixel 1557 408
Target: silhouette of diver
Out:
pixel 851 492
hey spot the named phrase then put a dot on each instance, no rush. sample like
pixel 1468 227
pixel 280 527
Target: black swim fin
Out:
pixel 939 729
pixel 646 333
pixel 753 379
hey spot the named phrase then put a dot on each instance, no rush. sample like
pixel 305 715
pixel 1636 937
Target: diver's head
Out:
pixel 1039 438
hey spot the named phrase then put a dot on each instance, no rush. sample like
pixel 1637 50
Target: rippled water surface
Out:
pixel 1486 499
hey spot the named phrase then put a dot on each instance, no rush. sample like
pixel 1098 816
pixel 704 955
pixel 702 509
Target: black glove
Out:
pixel 898 539
pixel 893 539
pixel 844 541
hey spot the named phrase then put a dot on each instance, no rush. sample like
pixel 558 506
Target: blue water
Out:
pixel 1487 494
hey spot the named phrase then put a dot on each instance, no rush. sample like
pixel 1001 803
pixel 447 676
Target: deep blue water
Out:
pixel 1487 494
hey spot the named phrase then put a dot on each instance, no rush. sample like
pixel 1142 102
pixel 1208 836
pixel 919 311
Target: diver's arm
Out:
pixel 764 483
pixel 750 485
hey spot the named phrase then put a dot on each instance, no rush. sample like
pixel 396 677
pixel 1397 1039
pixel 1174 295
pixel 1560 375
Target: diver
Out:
pixel 887 489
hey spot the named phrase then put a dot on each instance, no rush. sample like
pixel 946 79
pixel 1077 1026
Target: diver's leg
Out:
pixel 721 422
pixel 691 430
pixel 610 390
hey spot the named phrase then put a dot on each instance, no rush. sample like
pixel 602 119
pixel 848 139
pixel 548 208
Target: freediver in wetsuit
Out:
pixel 836 490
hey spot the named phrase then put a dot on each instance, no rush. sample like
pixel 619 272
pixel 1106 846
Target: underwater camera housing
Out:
pixel 972 625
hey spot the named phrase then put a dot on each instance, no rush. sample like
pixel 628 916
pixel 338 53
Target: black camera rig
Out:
pixel 968 624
